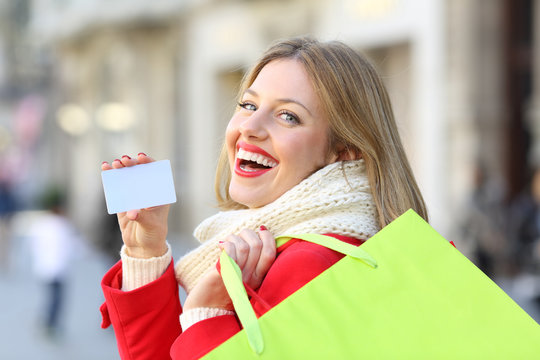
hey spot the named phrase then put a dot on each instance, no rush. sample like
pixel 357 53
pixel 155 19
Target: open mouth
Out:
pixel 253 164
pixel 250 161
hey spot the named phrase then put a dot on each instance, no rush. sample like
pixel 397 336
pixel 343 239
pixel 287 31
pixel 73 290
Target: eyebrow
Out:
pixel 283 100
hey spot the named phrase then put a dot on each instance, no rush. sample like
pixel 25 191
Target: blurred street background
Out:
pixel 84 81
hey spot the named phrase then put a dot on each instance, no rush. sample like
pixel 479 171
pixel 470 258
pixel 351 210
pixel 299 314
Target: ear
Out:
pixel 344 153
pixel 349 155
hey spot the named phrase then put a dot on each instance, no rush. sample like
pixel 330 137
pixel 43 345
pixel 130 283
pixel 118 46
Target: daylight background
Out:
pixel 84 81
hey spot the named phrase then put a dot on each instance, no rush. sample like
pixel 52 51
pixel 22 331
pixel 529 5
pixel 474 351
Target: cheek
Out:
pixel 310 153
pixel 231 135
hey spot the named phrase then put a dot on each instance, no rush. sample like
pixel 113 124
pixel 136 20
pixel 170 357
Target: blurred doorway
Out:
pixel 517 66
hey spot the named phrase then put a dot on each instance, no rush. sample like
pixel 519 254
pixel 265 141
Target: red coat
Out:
pixel 146 320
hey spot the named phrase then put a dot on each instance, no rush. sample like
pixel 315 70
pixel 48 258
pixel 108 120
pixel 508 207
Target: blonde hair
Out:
pixel 360 117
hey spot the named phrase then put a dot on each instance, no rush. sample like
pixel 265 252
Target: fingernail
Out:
pixel 103 163
pixel 263 228
pixel 125 156
pixel 143 154
pixel 117 160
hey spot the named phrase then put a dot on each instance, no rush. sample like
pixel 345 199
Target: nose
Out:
pixel 253 126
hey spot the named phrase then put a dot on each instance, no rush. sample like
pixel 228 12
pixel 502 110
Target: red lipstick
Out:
pixel 254 149
pixel 248 168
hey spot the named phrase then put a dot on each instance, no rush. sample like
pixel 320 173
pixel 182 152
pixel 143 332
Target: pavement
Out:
pixel 22 298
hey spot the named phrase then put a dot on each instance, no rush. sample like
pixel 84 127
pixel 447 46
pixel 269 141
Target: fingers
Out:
pixel 253 252
pixel 126 161
pixel 229 248
pixel 237 249
pixel 106 166
pixel 250 251
pixel 267 255
pixel 132 214
pixel 144 159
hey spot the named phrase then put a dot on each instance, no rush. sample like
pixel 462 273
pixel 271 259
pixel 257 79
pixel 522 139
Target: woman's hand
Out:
pixel 253 252
pixel 144 231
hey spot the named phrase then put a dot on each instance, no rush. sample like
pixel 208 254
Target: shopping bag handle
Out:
pixel 332 243
pixel 232 278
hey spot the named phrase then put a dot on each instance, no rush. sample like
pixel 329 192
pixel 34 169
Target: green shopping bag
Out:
pixel 404 294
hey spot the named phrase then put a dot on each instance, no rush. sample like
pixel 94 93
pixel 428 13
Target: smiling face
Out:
pixel 278 136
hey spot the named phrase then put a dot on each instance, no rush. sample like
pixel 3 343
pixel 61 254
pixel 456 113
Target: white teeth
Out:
pixel 258 158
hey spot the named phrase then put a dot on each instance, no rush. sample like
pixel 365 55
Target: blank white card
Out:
pixel 138 187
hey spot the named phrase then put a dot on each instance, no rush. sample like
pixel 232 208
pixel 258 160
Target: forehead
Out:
pixel 285 78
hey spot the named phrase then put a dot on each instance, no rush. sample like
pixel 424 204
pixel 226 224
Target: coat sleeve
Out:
pixel 145 320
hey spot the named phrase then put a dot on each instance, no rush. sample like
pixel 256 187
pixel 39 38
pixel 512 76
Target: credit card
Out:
pixel 138 187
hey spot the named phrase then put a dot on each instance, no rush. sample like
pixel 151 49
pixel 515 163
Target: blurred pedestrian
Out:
pixel 53 241
pixel 524 221
pixel 483 228
pixel 7 210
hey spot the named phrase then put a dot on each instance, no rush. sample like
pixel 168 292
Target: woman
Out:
pixel 313 147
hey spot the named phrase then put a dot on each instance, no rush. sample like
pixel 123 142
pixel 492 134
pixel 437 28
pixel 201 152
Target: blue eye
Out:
pixel 289 118
pixel 247 106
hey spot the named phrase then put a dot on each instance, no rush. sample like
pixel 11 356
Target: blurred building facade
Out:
pixel 160 77
pixel 23 77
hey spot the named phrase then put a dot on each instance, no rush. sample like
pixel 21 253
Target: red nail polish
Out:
pixel 103 163
pixel 125 156
pixel 263 228
pixel 117 160
pixel 143 154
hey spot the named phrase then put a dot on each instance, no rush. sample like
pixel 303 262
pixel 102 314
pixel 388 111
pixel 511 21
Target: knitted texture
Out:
pixel 139 272
pixel 192 316
pixel 336 199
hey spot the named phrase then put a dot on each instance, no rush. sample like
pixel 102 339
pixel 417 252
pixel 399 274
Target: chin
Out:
pixel 248 203
pixel 246 200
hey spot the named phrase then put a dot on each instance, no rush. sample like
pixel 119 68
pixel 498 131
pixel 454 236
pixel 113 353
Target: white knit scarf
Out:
pixel 336 199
